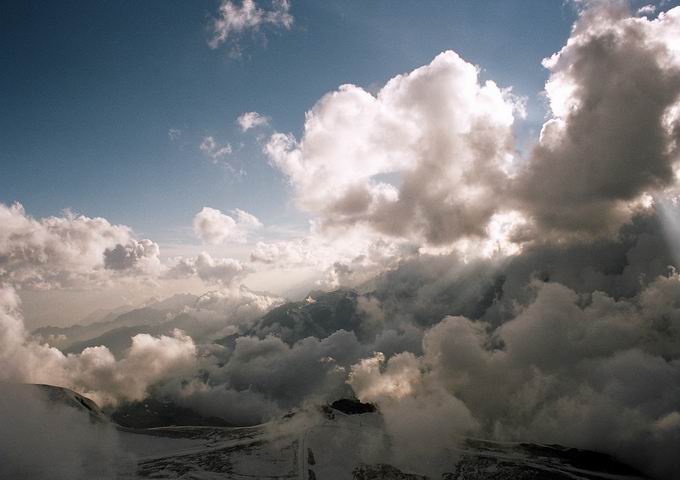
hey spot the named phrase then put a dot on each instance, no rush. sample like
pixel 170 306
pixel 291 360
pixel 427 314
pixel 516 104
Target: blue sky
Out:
pixel 91 90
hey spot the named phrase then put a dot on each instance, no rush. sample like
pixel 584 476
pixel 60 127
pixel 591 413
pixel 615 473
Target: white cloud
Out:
pixel 69 251
pixel 76 252
pixel 95 372
pixel 344 259
pixel 424 158
pixel 423 420
pixel 221 271
pixel 646 10
pixel 214 227
pixel 141 256
pixel 430 157
pixel 213 150
pixel 235 20
pixel 250 120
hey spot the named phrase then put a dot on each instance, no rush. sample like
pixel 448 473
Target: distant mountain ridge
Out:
pixel 135 320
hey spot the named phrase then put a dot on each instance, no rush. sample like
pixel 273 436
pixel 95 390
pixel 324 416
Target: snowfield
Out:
pixel 313 444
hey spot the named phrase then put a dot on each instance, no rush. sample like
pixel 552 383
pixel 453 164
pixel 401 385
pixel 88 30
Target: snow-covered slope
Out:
pixel 329 443
pixel 311 445
pixel 61 396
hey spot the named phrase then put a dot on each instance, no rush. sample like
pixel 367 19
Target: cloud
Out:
pixel 174 134
pixel 347 258
pixel 288 374
pixel 142 255
pixel 150 360
pixel 584 371
pixel 69 251
pixel 95 372
pixel 222 271
pixel 422 159
pixel 43 440
pixel 264 377
pixel 295 252
pixel 612 136
pixel 423 420
pixel 244 407
pixel 234 20
pixel 250 120
pixel 213 227
pixel 213 150
pixel 419 196
pixel 478 347
pixel 646 10
pixel 430 157
pixel 241 306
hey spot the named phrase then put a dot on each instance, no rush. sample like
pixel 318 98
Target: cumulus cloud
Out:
pixel 233 310
pixel 423 420
pixel 588 371
pixel 69 251
pixel 430 157
pixel 214 227
pixel 95 372
pixel 612 136
pixel 423 158
pixel 310 369
pixel 249 120
pixel 255 378
pixel 142 255
pixel 98 374
pixel 223 271
pixel 72 251
pixel 235 20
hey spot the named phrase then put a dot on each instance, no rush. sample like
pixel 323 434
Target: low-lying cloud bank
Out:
pixel 586 371
pixel 46 440
pixel 559 345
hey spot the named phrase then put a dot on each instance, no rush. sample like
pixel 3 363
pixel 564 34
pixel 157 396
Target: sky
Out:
pixel 135 114
pixel 475 205
pixel 91 93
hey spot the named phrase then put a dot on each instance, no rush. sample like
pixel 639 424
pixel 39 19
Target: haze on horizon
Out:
pixel 492 187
